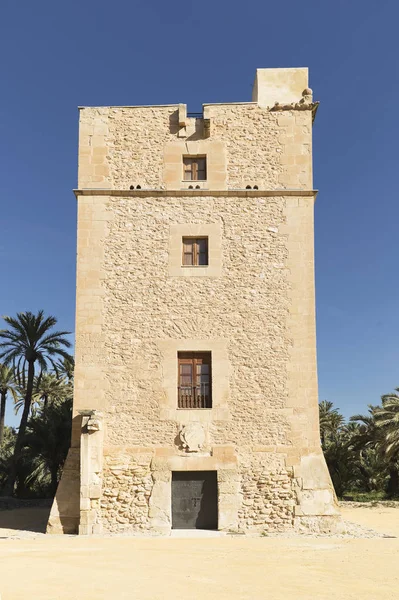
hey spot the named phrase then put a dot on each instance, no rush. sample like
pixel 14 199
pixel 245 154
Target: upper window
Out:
pixel 195 252
pixel 194 383
pixel 194 168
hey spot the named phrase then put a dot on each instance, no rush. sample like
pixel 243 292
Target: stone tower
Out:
pixel 195 387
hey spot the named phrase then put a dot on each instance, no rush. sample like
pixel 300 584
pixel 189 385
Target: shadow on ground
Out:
pixel 25 518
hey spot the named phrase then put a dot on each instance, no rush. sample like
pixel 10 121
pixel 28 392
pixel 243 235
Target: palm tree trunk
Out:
pixel 12 475
pixel 45 403
pixel 366 484
pixel 393 483
pixel 2 414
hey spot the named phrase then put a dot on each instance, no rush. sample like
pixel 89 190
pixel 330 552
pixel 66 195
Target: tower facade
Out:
pixel 195 400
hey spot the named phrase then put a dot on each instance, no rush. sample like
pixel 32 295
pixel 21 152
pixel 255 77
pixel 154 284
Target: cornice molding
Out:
pixel 201 193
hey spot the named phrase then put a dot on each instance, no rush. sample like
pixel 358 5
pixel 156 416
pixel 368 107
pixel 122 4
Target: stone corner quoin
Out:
pixel 195 401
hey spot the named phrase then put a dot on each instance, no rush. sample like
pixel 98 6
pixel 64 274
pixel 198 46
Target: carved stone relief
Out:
pixel 192 437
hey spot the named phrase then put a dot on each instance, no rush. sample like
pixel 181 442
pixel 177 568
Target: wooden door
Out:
pixel 194 500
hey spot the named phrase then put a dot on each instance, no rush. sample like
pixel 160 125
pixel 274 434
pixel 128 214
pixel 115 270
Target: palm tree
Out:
pixel 372 469
pixel 387 418
pixel 336 452
pixel 378 430
pixel 7 385
pixel 387 422
pixel 6 454
pixel 365 435
pixel 349 430
pixel 20 380
pixel 65 368
pixel 331 422
pixel 28 341
pixel 47 388
pixel 339 459
pixel 50 388
pixel 46 445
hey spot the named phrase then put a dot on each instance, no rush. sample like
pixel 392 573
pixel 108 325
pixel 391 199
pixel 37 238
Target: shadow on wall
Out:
pixel 174 122
pixel 208 513
pixel 65 512
pixel 195 130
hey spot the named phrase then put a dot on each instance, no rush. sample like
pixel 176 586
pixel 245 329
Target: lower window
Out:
pixel 194 380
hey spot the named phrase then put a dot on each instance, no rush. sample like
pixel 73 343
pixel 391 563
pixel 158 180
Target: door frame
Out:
pixel 214 497
pixel 223 461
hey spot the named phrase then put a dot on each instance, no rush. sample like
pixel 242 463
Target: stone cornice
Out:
pixel 200 193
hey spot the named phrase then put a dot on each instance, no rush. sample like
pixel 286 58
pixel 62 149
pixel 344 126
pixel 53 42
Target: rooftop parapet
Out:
pixel 279 85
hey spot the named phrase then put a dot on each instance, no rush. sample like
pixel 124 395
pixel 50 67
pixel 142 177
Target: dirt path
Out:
pixel 222 568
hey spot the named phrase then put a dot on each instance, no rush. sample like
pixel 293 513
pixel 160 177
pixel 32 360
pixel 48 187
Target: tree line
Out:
pixel 36 374
pixel 362 454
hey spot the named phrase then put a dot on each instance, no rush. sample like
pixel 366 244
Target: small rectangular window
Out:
pixel 195 252
pixel 194 380
pixel 194 168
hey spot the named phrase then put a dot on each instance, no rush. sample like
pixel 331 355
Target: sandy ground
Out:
pixel 43 567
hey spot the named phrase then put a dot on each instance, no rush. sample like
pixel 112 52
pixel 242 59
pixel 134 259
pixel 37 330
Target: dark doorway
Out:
pixel 194 500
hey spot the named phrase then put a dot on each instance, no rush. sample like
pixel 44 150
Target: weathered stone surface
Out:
pixel 161 307
pixel 268 499
pixel 126 492
pixel 252 307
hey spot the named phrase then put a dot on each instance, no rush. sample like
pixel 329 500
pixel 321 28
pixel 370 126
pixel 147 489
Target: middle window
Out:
pixel 195 252
pixel 194 168
pixel 194 380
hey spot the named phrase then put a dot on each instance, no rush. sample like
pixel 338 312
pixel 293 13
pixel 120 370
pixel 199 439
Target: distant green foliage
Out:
pixel 31 346
pixel 365 496
pixel 46 445
pixel 363 454
pixel 6 453
pixel 8 387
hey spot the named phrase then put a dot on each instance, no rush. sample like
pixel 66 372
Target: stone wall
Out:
pixel 269 149
pixel 252 308
pixel 127 486
pixel 267 496
pixel 124 146
pixel 251 295
pixel 268 499
pixel 129 307
pixel 265 490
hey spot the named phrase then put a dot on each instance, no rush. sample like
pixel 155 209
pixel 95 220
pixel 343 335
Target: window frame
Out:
pixel 196 253
pixel 195 358
pixel 193 160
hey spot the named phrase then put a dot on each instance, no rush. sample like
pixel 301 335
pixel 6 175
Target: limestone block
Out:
pixel 95 491
pixel 279 85
pixel 159 508
pixel 318 502
pixel 314 472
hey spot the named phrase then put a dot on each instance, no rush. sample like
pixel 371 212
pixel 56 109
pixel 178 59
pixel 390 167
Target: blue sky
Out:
pixel 57 56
